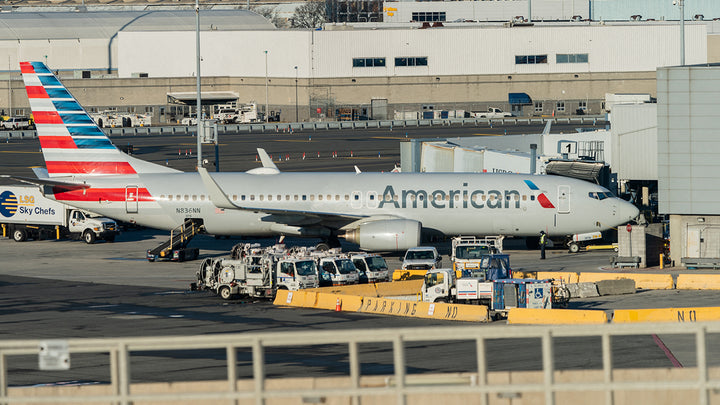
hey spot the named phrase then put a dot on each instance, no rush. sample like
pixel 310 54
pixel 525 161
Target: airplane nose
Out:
pixel 627 211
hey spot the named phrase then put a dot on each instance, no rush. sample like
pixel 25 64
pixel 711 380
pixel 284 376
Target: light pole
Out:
pixel 267 112
pixel 296 95
pixel 198 114
pixel 681 3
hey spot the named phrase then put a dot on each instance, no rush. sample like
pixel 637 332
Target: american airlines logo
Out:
pixel 542 198
pixel 460 198
pixel 450 198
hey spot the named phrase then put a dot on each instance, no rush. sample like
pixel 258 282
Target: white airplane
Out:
pixel 378 211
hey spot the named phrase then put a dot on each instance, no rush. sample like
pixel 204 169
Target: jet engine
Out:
pixel 386 235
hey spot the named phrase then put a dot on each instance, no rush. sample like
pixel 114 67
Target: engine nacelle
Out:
pixel 386 235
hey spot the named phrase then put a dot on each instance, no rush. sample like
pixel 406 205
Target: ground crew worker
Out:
pixel 543 243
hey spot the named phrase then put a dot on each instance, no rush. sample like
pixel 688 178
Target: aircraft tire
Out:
pixel 322 246
pixel 574 247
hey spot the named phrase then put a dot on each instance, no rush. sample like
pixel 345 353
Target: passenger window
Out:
pixel 252 197
pixel 202 197
pixel 177 197
pixel 269 197
pixel 296 197
pixel 319 197
pixel 194 197
pixel 242 197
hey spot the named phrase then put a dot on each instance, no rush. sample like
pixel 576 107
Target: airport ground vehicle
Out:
pixel 492 112
pixel 257 272
pixel 337 270
pixel 579 240
pixel 467 251
pixel 237 114
pixel 114 119
pixel 15 123
pixel 421 258
pixel 26 213
pixel 498 294
pixel 373 266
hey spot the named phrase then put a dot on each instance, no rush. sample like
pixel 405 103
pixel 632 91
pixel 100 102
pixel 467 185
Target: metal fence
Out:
pixel 400 385
pixel 328 125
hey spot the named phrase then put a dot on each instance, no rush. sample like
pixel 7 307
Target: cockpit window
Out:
pixel 600 195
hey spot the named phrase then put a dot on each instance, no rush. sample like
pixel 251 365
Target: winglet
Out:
pixel 547 127
pixel 217 196
pixel 357 170
pixel 265 159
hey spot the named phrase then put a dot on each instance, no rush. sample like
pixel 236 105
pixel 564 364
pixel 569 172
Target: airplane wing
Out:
pixel 57 185
pixel 283 216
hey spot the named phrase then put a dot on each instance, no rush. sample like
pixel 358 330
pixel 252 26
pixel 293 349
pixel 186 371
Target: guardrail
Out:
pixel 399 386
pixel 328 125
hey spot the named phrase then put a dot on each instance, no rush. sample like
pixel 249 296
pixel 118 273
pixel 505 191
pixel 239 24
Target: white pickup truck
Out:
pixel 15 123
pixel 25 213
pixel 492 112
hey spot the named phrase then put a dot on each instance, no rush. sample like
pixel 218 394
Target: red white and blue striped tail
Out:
pixel 71 142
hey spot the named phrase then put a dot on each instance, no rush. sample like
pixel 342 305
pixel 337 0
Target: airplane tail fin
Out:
pixel 71 142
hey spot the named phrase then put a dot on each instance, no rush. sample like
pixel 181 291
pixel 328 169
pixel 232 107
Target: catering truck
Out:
pixel 25 213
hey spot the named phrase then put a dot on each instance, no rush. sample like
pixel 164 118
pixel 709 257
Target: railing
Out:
pixel 328 125
pixel 398 386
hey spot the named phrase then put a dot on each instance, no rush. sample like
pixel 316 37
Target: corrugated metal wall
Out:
pixel 688 141
pixel 450 51
pixel 634 134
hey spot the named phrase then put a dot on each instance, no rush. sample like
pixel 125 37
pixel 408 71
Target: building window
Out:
pixel 538 106
pixel 368 62
pixel 422 16
pixel 582 105
pixel 560 106
pixel 530 59
pixel 411 61
pixel 571 58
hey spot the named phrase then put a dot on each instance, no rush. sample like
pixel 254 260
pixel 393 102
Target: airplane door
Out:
pixel 131 199
pixel 356 200
pixel 563 199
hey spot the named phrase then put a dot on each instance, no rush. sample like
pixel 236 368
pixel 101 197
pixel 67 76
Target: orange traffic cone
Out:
pixel 338 305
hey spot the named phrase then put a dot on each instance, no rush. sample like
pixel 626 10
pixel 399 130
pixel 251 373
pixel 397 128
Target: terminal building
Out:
pixel 111 60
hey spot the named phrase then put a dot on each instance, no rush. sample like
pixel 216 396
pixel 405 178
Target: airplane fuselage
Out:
pixel 451 203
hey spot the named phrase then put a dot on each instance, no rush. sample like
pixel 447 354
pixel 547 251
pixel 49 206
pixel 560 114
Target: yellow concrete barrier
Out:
pixel 400 275
pixel 415 309
pixel 382 289
pixel 667 315
pixel 281 298
pixel 698 282
pixel 642 281
pixel 409 287
pixel 532 316
pixel 570 278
